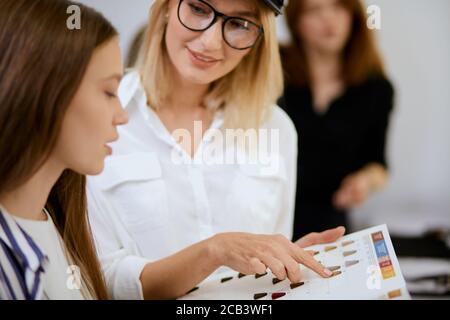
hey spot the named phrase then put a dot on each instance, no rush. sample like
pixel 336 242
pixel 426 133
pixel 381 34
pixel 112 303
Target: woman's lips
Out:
pixel 108 149
pixel 200 60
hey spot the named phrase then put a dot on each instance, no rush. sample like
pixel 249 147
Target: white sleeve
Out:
pixel 119 257
pixel 289 152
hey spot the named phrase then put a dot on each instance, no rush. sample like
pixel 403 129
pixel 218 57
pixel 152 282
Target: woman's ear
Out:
pixel 166 17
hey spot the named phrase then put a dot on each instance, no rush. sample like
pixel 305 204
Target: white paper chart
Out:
pixel 364 265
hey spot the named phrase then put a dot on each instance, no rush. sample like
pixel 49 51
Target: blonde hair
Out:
pixel 246 95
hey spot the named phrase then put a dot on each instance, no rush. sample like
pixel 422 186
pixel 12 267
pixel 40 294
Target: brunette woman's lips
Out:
pixel 200 60
pixel 108 150
pixel 330 34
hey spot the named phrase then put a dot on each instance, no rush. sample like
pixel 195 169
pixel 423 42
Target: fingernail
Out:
pixel 328 272
pixel 241 275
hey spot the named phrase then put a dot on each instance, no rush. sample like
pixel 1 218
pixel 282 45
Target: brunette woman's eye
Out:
pixel 200 10
pixel 110 95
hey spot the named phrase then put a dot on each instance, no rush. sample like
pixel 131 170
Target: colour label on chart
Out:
pixel 384 260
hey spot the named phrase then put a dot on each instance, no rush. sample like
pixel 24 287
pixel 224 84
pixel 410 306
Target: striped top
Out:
pixel 22 263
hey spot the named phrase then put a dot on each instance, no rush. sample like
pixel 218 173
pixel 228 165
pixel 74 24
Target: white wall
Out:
pixel 415 40
pixel 126 15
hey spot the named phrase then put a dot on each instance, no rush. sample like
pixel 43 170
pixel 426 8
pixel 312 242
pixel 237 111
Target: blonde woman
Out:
pixel 206 67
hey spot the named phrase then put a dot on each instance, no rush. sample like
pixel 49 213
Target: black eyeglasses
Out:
pixel 238 33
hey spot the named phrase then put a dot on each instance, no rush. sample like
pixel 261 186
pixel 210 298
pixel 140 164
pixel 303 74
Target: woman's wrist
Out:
pixel 214 250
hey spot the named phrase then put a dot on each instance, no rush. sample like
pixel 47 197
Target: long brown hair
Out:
pixel 361 58
pixel 42 64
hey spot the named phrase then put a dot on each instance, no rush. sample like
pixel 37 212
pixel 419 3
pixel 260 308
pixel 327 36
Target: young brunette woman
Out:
pixel 58 114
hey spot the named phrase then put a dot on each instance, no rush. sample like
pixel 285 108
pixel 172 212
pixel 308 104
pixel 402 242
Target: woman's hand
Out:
pixel 247 253
pixel 354 191
pixel 253 254
pixel 314 238
pixel 356 188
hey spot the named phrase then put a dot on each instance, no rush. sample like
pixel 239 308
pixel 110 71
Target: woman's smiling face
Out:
pixel 202 57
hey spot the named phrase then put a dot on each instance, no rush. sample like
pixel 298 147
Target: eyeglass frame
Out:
pixel 218 14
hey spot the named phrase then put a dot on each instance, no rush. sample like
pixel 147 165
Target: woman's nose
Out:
pixel 121 116
pixel 212 38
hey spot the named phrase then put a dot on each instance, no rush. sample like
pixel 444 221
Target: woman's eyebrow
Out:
pixel 247 14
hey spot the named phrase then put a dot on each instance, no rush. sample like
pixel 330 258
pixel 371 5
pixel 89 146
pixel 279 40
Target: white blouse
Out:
pixel 57 282
pixel 153 199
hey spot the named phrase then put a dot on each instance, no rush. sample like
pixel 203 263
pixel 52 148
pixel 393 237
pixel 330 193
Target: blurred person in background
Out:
pixel 340 101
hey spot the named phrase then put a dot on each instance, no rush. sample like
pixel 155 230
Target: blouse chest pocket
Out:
pixel 257 196
pixel 135 186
